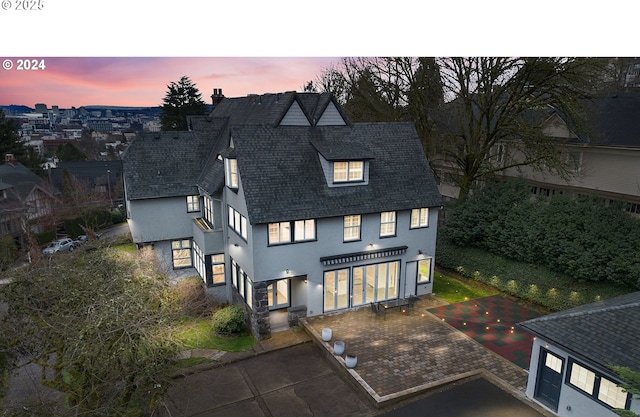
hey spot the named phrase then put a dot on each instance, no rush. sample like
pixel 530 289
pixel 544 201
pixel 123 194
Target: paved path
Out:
pixel 406 353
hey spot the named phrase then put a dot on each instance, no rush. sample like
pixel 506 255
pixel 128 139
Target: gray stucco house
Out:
pixel 573 352
pixel 282 204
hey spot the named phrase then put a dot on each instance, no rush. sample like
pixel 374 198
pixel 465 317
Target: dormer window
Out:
pixel 348 171
pixel 231 173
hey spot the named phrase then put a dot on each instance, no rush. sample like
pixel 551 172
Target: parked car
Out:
pixel 60 245
pixel 80 240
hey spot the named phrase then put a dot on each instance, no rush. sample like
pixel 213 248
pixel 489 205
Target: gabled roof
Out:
pixel 91 172
pixel 21 177
pixel 605 332
pixel 166 164
pixel 270 109
pixel 282 176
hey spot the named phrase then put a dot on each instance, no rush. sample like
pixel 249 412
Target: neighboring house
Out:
pixel 572 353
pixel 606 162
pixel 104 178
pixel 280 202
pixel 25 201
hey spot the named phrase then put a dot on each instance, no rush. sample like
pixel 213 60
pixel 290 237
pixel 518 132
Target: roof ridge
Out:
pixel 568 314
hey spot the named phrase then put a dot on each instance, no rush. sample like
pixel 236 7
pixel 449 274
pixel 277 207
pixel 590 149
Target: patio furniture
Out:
pixel 378 310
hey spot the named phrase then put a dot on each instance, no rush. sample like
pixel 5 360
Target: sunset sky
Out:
pixel 83 81
pixel 106 53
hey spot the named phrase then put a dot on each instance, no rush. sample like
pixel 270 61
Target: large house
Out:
pixel 26 201
pixel 281 203
pixel 573 352
pixel 605 159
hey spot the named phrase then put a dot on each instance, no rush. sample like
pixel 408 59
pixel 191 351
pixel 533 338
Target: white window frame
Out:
pixel 281 233
pixel 348 171
pixel 349 226
pixel 419 218
pixel 207 203
pixel 387 224
pixel 231 173
pixel 237 222
pixel 421 278
pixel 193 203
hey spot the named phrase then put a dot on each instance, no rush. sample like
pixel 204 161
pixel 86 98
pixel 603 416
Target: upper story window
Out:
pixel 193 203
pixel 348 171
pixel 231 173
pixel 238 222
pixel 387 223
pixel 419 218
pixel 208 210
pixel 351 228
pixel 287 232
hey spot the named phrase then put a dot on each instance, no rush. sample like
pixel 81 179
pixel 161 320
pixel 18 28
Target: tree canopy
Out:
pixel 98 321
pixel 181 100
pixel 464 108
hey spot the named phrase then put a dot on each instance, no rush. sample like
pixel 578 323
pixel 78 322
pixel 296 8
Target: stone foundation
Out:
pixel 295 314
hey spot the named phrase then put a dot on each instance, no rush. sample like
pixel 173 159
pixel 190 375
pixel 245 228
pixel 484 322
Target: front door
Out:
pixel 549 379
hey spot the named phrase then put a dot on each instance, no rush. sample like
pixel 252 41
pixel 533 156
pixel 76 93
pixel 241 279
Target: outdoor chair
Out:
pixel 377 310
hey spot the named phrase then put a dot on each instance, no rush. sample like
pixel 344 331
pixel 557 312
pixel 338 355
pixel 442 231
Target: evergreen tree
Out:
pixel 182 99
pixel 9 138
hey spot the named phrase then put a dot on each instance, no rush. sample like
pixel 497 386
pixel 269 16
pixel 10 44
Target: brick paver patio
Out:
pixel 404 353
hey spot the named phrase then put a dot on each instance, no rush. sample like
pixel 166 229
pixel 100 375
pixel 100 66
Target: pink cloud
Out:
pixel 76 82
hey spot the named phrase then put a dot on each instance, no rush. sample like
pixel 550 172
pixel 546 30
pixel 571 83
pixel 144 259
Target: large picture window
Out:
pixel 351 228
pixel 377 282
pixel 181 253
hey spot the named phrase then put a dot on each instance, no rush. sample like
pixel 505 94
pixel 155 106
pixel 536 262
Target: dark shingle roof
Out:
pixel 283 179
pixel 89 172
pixel 606 332
pixel 21 178
pixel 165 164
pixel 615 120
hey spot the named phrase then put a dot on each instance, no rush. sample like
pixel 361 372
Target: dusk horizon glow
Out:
pixel 142 82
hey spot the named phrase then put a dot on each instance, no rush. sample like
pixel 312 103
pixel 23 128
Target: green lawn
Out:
pixel 454 291
pixel 196 333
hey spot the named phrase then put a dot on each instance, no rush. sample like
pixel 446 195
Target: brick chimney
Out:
pixel 10 159
pixel 216 97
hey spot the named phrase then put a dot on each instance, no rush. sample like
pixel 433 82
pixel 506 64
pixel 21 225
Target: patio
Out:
pixel 401 354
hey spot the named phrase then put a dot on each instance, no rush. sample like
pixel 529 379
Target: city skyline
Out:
pixel 142 82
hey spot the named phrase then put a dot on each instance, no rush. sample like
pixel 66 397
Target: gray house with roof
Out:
pixel 573 352
pixel 282 204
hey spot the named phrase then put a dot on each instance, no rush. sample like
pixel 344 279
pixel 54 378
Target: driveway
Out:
pixel 301 381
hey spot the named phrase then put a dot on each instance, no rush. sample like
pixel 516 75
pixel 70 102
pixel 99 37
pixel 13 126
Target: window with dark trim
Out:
pixel 193 203
pixel 288 232
pixel 238 222
pixel 348 171
pixel 424 271
pixel 387 223
pixel 217 269
pixel 231 177
pixel 597 386
pixel 419 218
pixel 351 225
pixel 181 253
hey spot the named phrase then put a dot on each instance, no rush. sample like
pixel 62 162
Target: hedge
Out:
pixel 580 237
pixel 551 290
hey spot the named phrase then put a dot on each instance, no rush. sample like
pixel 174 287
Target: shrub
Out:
pixel 192 296
pixel 8 251
pixel 229 320
pixel 542 286
pixel 117 217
